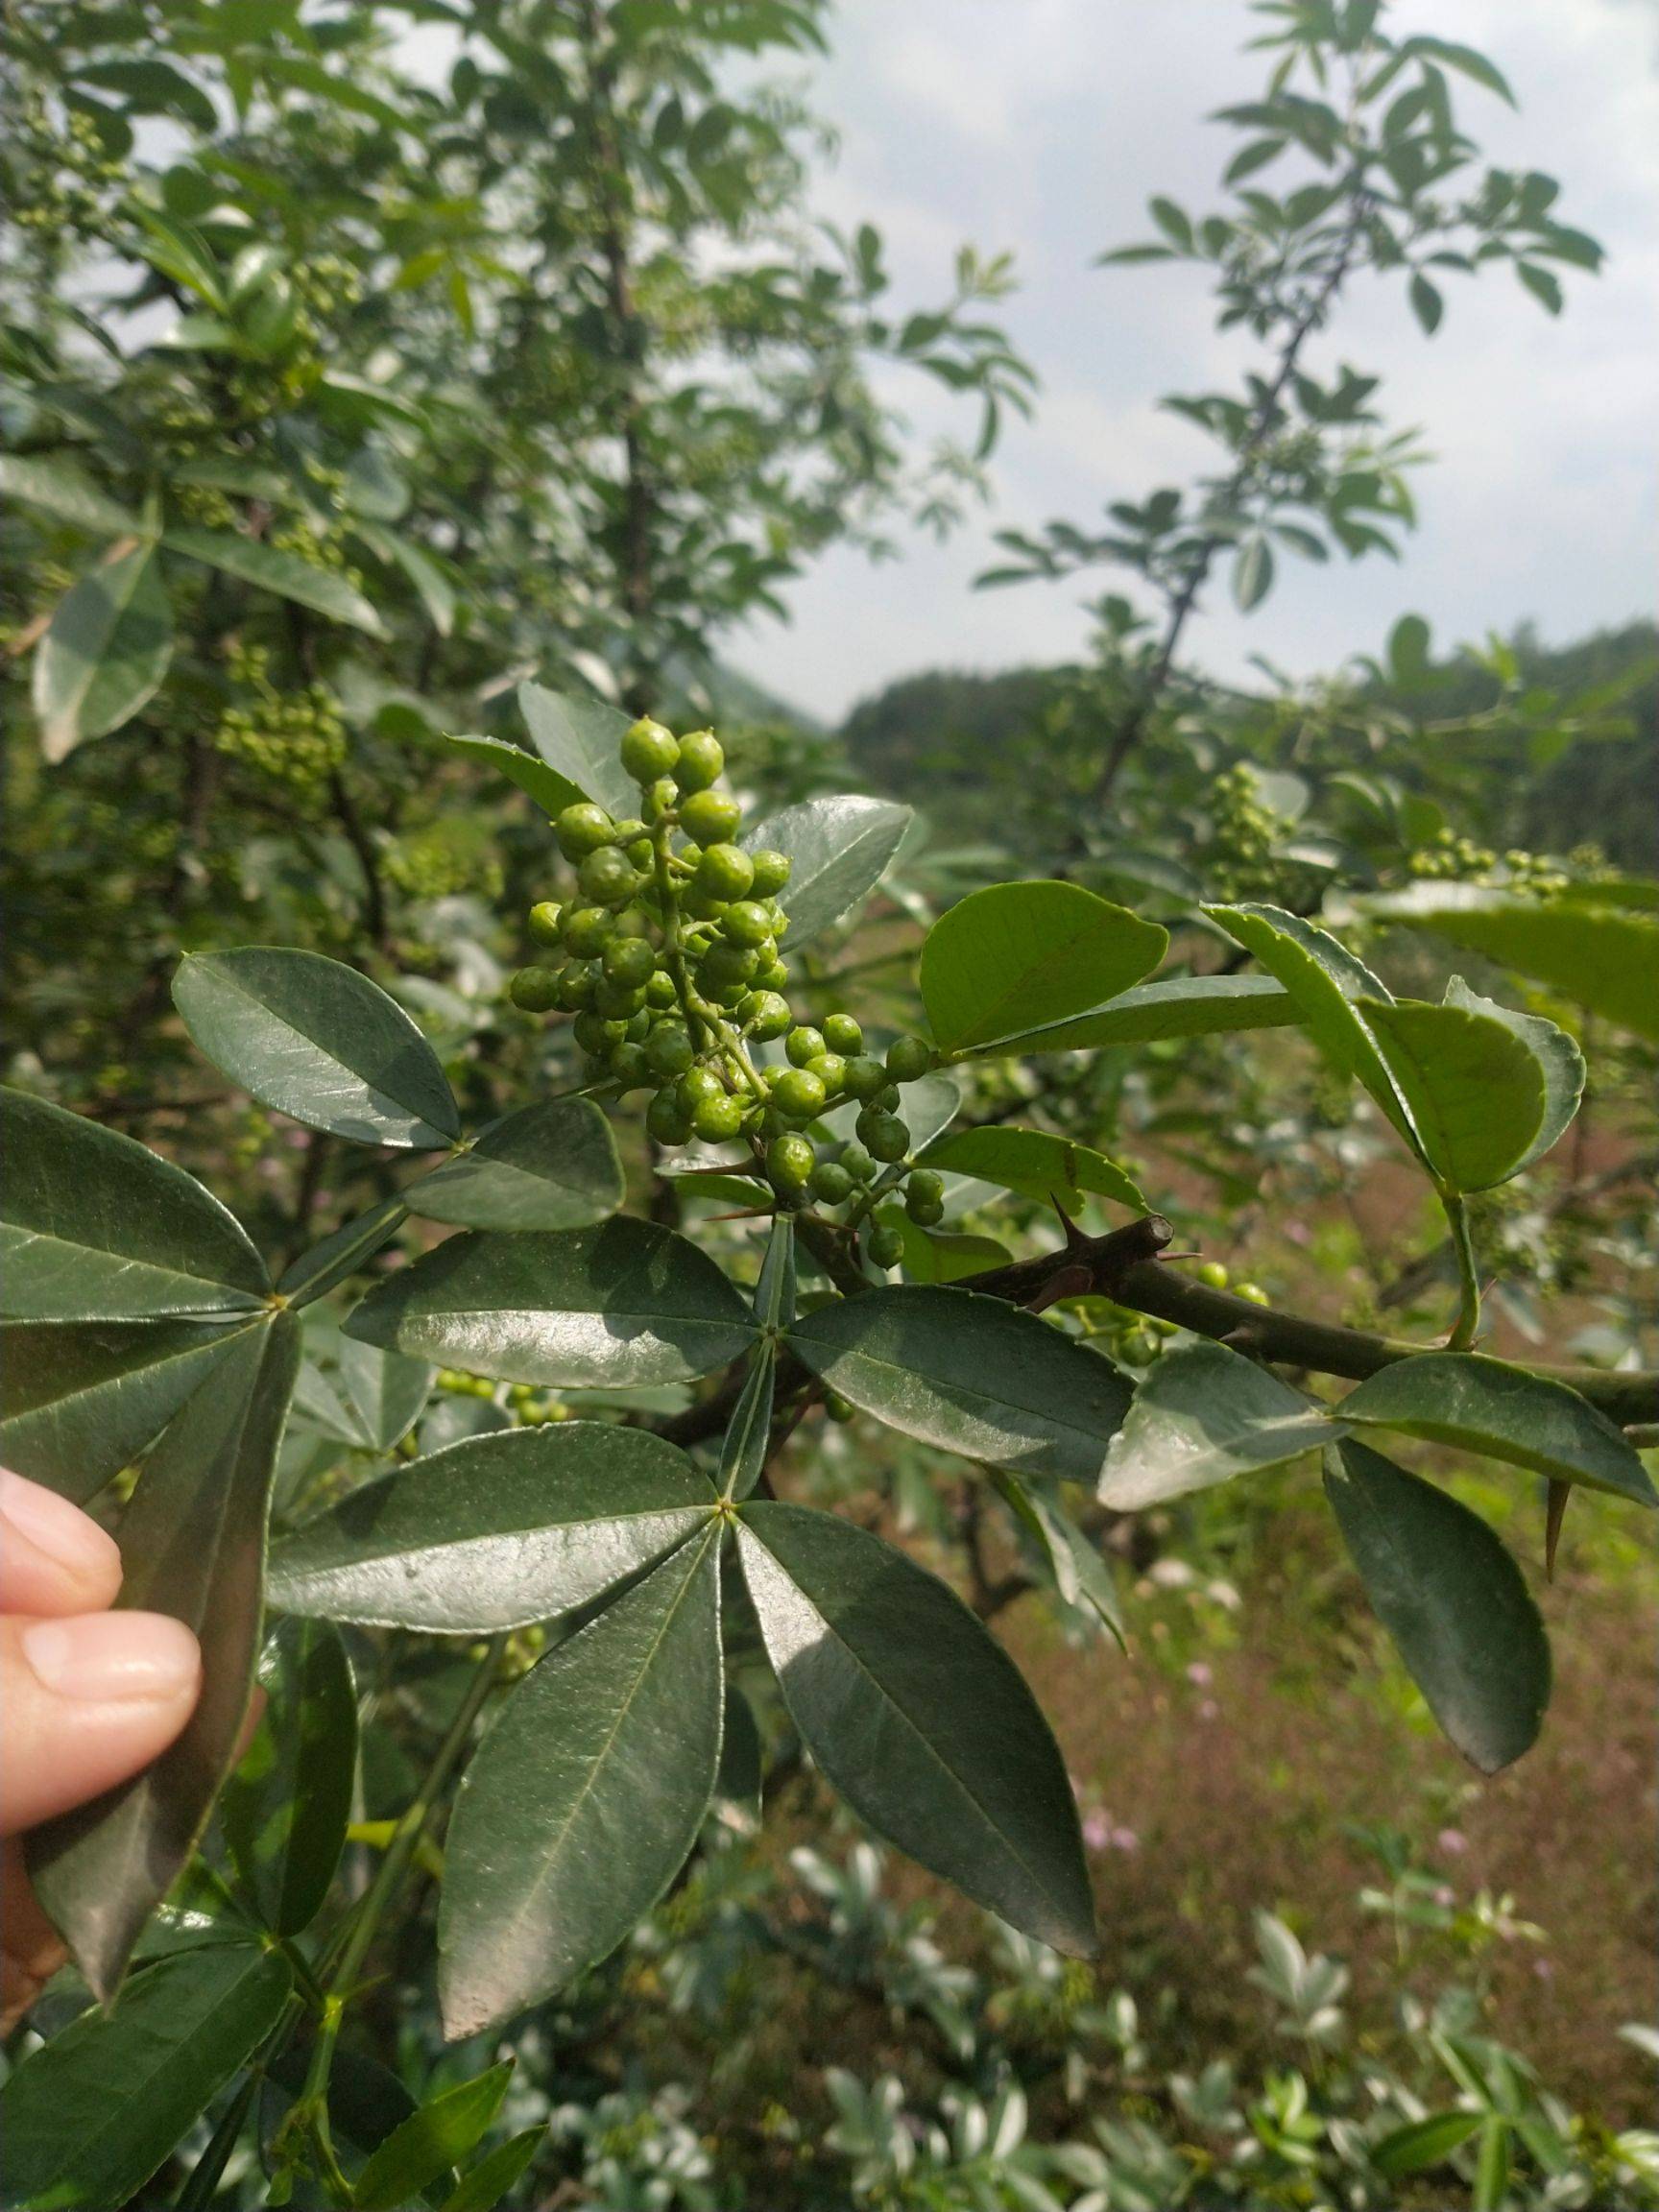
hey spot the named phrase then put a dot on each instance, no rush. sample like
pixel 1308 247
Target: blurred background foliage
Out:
pixel 360 361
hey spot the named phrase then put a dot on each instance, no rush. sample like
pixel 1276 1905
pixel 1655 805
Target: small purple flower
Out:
pixel 1451 1842
pixel 1446 1895
pixel 1097 1830
pixel 1200 1674
pixel 1207 1709
pixel 1125 1839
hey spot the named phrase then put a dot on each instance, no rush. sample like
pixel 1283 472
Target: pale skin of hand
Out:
pixel 88 1698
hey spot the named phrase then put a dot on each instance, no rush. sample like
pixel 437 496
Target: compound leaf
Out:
pixel 285 1808
pixel 1184 1006
pixel 193 1542
pixel 1451 1599
pixel 1557 1056
pixel 1017 957
pixel 1474 1089
pixel 552 1165
pixel 93 1227
pixel 1037 1165
pixel 106 651
pixel 91 2115
pixel 620 1306
pixel 583 1800
pixel 1202 1415
pixel 971 1374
pixel 839 848
pixel 496 1531
pixel 1483 1405
pixel 919 1718
pixel 578 738
pixel 318 1041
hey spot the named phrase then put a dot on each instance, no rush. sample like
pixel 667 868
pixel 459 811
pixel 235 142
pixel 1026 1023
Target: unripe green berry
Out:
pixel 659 991
pixel 583 828
pixel 859 1164
pixel 925 1198
pixel 545 917
pixel 864 1076
pixel 701 903
pixel 830 1070
pixel 617 1002
pixel 576 986
pixel 667 1119
pixel 1212 1274
pixel 630 961
pixel 772 976
pixel 607 878
pixel 638 1027
pixel 843 1035
pixel 886 1099
pixel 1138 1347
pixel 798 1094
pixel 772 871
pixel 628 1065
pixel 766 1014
pixel 700 763
pixel 717 1120
pixel 884 1246
pixel 587 930
pixel 641 852
pixel 668 1051
pixel 724 966
pixel 1251 1291
pixel 909 1058
pixel 831 1183
pixel 837 1408
pixel 710 818
pixel 698 1084
pixel 595 1034
pixel 789 1163
pixel 628 830
pixel 648 751
pixel 801 1047
pixel 535 989
pixel 779 920
pixel 883 1134
pixel 746 922
pixel 725 871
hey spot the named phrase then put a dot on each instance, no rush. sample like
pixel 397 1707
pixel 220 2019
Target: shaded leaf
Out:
pixel 625 1304
pixel 489 2180
pixel 1451 1599
pixel 81 1400
pixel 1474 1089
pixel 318 1041
pixel 384 1391
pixel 552 1165
pixel 584 1799
pixel 1081 1574
pixel 193 1545
pixel 970 1373
pixel 551 792
pixel 496 1531
pixel 324 591
pixel 285 1808
pixel 839 848
pixel 1202 1415
pixel 91 2116
pixel 919 1718
pixel 1035 1163
pixel 105 650
pixel 431 2142
pixel 1325 980
pixel 1556 1053
pixel 1016 956
pixel 578 738
pixel 1484 1404
pixel 1601 957
pixel 62 490
pixel 1184 1006
pixel 93 1227
pixel 1421 2144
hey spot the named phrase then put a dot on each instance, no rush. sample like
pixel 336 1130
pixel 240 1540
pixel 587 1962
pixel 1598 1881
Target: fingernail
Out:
pixel 55 1526
pixel 113 1655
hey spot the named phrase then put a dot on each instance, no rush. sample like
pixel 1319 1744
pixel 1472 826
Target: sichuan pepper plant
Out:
pixel 601 1570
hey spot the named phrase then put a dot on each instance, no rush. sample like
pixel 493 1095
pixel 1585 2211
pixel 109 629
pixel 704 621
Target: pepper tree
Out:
pixel 604 1570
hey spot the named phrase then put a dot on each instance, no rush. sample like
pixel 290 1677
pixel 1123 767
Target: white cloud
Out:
pixel 1043 126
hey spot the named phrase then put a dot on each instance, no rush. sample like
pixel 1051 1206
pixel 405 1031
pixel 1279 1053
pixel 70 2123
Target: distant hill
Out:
pixel 922 738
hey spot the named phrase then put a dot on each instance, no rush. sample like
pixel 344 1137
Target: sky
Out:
pixel 1042 126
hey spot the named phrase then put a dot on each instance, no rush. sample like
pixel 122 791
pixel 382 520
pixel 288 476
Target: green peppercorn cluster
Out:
pixel 297 739
pixel 667 956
